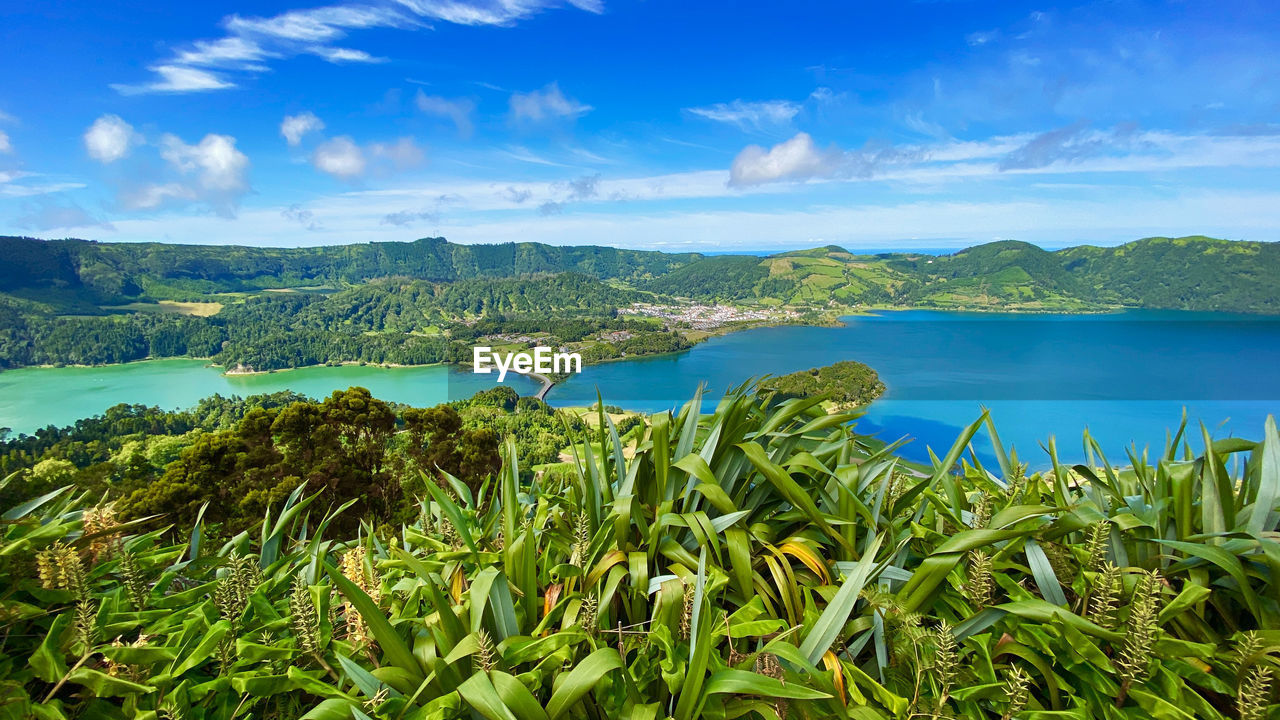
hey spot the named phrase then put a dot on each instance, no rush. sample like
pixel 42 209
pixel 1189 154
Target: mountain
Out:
pixel 73 274
pixel 1189 273
pixel 1186 273
pixel 74 301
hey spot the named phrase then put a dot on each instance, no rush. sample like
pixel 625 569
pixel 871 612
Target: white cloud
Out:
pixel 295 127
pixel 753 115
pixel 176 79
pixel 340 157
pixel 458 110
pixel 212 172
pixel 403 154
pixel 494 12
pixel 340 55
pixel 981 37
pixel 934 166
pixel 524 154
pixel 794 159
pixel 317 24
pixel 153 195
pixel 549 103
pixel 357 217
pixel 109 139
pixel 343 158
pixel 14 190
pixel 5 145
pixel 21 183
pixel 216 162
pixel 302 216
pixel 252 41
pixel 233 51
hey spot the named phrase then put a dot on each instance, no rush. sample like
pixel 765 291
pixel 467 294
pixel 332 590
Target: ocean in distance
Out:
pixel 1127 376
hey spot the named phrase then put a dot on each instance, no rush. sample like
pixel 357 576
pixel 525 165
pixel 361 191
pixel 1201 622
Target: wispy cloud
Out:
pixel 1076 148
pixel 433 213
pixel 340 55
pixel 50 213
pixel 176 79
pixel 302 216
pixel 344 159
pixel 981 37
pixel 251 43
pixel 749 115
pixel 895 223
pixel 525 155
pixel 1070 144
pixel 295 127
pixel 17 184
pixel 545 105
pixel 457 110
pixel 403 154
pixel 800 159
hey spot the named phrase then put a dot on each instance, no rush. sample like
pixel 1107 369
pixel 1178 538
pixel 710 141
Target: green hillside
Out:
pixel 1191 273
pixel 73 301
pixel 74 273
pixel 1187 273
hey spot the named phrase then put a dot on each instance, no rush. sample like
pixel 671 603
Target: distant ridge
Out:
pixel 1192 273
pixel 1186 273
pixel 122 271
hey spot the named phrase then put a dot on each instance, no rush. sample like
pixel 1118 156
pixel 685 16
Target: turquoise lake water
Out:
pixel 1126 376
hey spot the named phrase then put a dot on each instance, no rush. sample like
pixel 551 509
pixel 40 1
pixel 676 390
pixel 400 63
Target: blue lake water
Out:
pixel 1126 376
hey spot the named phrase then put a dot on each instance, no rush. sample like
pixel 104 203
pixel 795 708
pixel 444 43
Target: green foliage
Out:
pixel 1192 273
pixel 229 459
pixel 70 301
pixel 725 277
pixel 846 383
pixel 1189 273
pixel 110 272
pixel 757 562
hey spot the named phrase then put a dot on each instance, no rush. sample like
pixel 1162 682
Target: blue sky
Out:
pixel 654 123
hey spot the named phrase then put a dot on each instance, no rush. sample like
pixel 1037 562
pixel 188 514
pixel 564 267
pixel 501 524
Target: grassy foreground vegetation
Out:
pixel 761 561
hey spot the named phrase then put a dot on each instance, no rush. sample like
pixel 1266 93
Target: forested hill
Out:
pixel 99 273
pixel 1191 273
pixel 1188 273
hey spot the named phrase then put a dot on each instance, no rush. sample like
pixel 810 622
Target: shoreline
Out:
pixel 835 316
pixel 547 383
pixel 241 371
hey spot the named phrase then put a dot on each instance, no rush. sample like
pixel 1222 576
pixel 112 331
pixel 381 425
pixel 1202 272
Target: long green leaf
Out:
pixel 828 626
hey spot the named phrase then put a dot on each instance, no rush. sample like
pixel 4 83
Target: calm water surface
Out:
pixel 31 398
pixel 1126 376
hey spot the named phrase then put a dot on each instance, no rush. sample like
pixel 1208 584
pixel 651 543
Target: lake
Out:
pixel 1126 376
pixel 31 398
